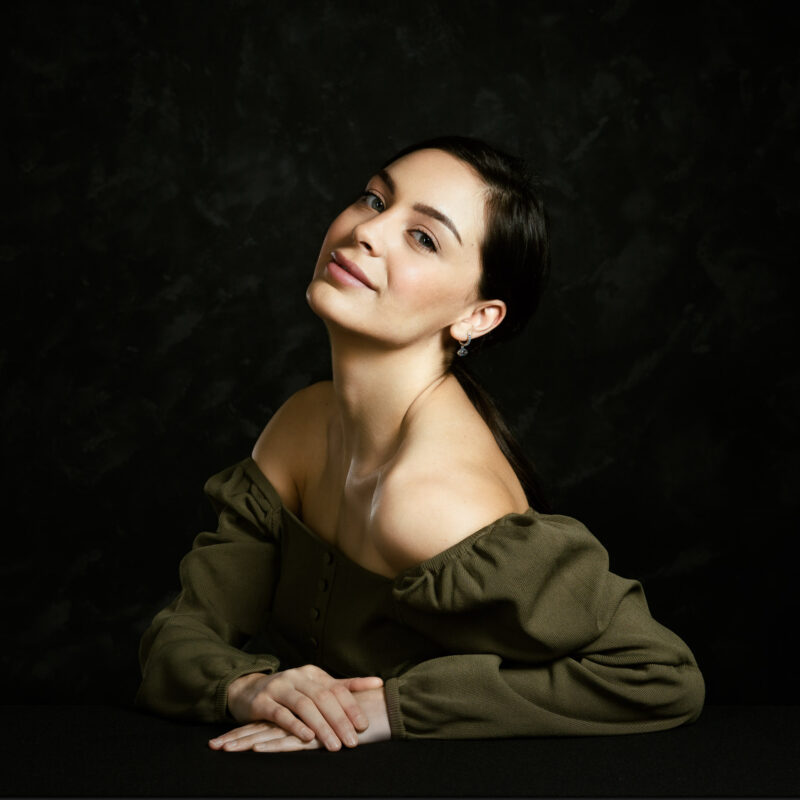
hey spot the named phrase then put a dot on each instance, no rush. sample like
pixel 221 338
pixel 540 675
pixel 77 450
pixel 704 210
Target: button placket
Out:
pixel 319 606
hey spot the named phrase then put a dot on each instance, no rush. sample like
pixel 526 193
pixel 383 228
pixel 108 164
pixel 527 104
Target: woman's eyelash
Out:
pixel 367 196
pixel 431 246
pixel 425 240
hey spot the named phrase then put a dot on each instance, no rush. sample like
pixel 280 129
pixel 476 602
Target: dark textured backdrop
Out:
pixel 169 170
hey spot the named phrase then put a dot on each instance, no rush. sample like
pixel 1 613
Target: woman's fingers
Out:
pixel 326 707
pixel 345 689
pixel 320 709
pixel 284 718
pixel 236 738
pixel 295 712
pixel 260 737
pixel 285 744
pixel 361 684
pixel 235 733
pixel 351 708
pixel 342 712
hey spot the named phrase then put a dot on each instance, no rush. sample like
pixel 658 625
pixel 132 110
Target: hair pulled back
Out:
pixel 515 266
pixel 515 251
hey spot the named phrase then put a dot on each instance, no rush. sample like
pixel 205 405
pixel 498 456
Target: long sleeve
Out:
pixel 190 653
pixel 542 640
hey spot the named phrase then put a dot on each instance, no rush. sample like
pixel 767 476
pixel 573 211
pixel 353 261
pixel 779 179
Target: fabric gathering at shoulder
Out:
pixel 243 488
pixel 532 587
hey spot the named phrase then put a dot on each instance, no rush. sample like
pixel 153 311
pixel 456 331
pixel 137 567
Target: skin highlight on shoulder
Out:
pixel 421 513
pixel 448 481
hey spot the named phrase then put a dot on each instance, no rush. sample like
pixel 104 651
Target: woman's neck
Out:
pixel 378 390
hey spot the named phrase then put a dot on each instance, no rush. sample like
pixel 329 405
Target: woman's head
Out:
pixel 515 250
pixel 452 238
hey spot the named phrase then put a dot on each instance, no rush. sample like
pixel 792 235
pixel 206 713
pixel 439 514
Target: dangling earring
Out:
pixel 462 351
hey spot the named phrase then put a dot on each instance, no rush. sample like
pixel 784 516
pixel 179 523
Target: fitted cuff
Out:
pixel 396 725
pixel 266 664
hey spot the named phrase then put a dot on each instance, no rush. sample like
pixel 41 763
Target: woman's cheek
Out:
pixel 410 281
pixel 432 293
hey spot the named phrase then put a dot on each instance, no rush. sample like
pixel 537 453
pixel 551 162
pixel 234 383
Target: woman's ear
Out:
pixel 484 318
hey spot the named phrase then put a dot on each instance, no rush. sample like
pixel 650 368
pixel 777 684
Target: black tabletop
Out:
pixel 92 751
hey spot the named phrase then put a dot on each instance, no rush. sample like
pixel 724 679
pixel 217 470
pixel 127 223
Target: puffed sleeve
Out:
pixel 541 639
pixel 190 653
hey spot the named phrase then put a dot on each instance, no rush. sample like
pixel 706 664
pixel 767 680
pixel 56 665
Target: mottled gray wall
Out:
pixel 169 170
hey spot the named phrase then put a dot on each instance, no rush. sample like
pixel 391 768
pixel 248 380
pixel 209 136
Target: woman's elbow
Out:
pixel 675 693
pixel 690 693
pixel 685 688
pixel 657 695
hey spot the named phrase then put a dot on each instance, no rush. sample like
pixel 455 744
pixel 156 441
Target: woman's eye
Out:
pixel 424 240
pixel 373 201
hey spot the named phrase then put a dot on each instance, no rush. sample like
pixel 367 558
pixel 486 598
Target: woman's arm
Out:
pixel 191 652
pixel 545 640
pixel 483 695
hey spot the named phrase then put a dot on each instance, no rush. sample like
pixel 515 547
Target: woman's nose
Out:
pixel 368 235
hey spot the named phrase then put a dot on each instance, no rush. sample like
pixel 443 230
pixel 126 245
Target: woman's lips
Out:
pixel 348 272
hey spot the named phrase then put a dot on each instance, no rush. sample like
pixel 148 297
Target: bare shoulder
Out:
pixel 291 437
pixel 426 506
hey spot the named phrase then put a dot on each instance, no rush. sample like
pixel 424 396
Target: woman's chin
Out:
pixel 316 297
pixel 330 304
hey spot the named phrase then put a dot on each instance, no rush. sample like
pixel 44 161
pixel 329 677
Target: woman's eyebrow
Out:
pixel 421 207
pixel 386 178
pixel 436 214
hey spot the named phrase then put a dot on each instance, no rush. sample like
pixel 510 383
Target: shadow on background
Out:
pixel 170 169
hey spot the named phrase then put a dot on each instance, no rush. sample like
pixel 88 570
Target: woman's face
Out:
pixel 406 254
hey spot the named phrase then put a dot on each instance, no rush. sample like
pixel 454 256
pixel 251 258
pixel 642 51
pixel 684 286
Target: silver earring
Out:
pixel 462 351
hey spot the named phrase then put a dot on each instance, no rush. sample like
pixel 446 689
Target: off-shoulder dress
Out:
pixel 518 630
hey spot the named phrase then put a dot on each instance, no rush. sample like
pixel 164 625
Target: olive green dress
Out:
pixel 518 630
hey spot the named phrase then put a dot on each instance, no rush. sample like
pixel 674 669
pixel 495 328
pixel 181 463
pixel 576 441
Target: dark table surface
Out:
pixel 92 751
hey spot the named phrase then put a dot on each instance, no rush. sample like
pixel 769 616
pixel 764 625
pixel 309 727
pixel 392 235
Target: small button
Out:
pixel 327 558
pixel 322 585
pixel 312 641
pixel 314 613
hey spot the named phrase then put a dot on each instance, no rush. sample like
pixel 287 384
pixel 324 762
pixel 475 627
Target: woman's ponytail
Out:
pixel 485 406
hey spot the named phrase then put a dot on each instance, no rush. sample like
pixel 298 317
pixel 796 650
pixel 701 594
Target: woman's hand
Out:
pixel 305 704
pixel 266 737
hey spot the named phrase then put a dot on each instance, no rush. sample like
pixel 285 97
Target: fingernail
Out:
pixel 333 744
pixel 307 733
pixel 351 740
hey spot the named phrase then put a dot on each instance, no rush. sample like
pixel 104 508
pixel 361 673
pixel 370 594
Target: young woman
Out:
pixel 385 565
